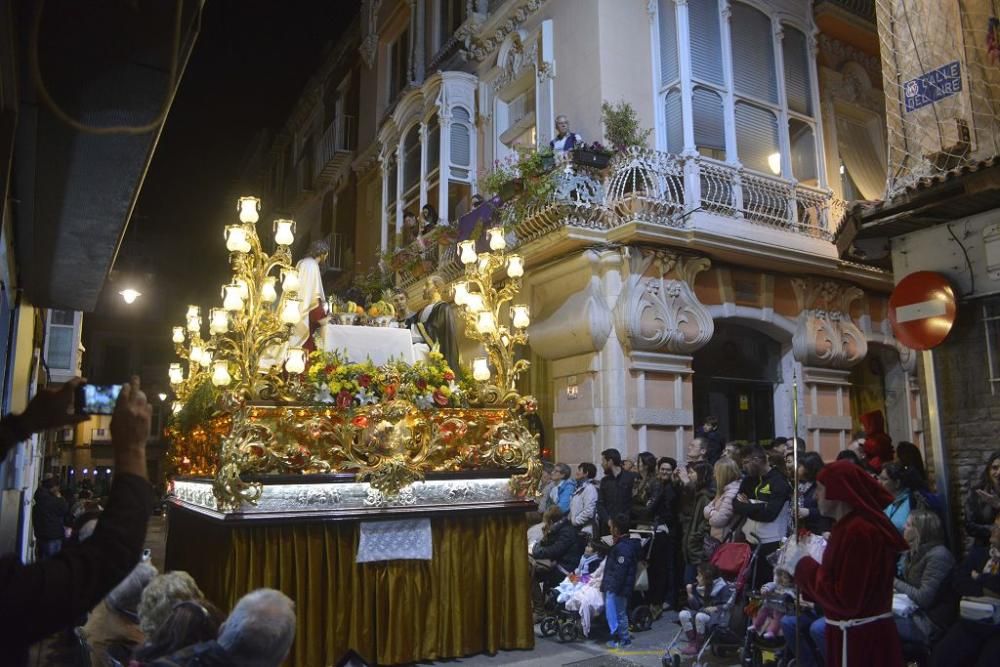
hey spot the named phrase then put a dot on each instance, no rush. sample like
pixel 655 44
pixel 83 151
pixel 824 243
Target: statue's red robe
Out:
pixel 854 581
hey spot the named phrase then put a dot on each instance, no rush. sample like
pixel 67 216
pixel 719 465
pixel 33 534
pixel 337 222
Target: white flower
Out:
pixel 323 394
pixel 365 397
pixel 425 401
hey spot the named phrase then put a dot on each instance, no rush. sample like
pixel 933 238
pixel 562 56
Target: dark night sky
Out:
pixel 249 66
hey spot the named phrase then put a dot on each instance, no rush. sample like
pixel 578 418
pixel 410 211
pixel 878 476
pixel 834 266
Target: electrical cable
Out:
pixel 58 112
pixel 968 263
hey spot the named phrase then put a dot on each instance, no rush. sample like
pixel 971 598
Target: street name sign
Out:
pixel 936 85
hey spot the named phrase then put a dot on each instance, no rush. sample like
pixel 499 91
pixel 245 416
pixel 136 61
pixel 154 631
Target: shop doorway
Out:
pixel 735 376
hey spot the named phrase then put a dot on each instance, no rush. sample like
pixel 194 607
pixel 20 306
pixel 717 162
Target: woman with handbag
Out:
pixel 719 513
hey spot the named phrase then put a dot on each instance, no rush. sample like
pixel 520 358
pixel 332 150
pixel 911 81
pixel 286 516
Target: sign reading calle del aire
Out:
pixel 936 85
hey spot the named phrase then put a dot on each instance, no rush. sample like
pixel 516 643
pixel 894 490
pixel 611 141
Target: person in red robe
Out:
pixel 853 584
pixel 877 446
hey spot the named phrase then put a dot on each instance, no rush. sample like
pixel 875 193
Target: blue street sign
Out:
pixel 932 86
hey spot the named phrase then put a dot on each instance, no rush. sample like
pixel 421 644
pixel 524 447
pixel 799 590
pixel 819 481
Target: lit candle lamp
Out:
pixel 249 208
pixel 519 317
pixel 474 302
pixel 480 369
pixel 268 292
pixel 497 240
pixel 232 297
pixel 237 239
pixel 176 374
pixel 193 311
pixel 290 313
pixel 486 323
pixel 467 252
pixel 515 266
pixel 194 324
pixel 178 336
pixel 194 356
pixel 461 293
pixel 284 232
pixel 244 288
pixel 219 321
pixel 290 280
pixel 484 262
pixel 220 374
pixel 206 359
pixel 295 362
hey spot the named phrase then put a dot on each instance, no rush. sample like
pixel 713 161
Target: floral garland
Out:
pixel 426 384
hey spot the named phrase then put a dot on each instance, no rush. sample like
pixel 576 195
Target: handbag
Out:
pixel 984 610
pixel 730 558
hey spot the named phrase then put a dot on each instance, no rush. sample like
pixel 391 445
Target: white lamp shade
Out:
pixel 290 280
pixel 497 240
pixel 194 356
pixel 295 362
pixel 461 293
pixel 220 374
pixel 219 321
pixel 290 311
pixel 486 323
pixel 515 266
pixel 178 336
pixel 519 317
pixel 237 239
pixel 480 369
pixel 206 359
pixel 176 374
pixel 244 288
pixel 193 311
pixel 284 232
pixel 232 297
pixel 249 208
pixel 194 324
pixel 176 407
pixel 484 262
pixel 467 252
pixel 268 292
pixel 474 302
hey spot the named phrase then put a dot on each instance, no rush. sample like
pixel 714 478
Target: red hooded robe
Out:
pixel 878 444
pixel 859 565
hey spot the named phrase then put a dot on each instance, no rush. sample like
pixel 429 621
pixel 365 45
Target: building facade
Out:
pixel 703 274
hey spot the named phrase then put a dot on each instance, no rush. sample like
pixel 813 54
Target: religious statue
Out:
pixel 435 324
pixel 311 295
pixel 404 316
pixel 565 140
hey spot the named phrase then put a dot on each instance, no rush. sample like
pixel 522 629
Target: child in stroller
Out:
pixel 775 599
pixel 706 606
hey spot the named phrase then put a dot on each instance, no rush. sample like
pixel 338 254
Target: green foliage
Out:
pixel 621 125
pixel 202 404
pixel 376 280
pixel 524 183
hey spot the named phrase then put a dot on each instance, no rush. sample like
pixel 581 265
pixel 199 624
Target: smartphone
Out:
pixel 96 399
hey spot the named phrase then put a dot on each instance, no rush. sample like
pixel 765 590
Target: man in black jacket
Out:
pixel 763 499
pixel 561 547
pixel 48 517
pixel 615 494
pixel 39 599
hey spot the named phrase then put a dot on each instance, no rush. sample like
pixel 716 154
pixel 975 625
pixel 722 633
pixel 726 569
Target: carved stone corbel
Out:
pixel 369 40
pixel 659 313
pixel 826 336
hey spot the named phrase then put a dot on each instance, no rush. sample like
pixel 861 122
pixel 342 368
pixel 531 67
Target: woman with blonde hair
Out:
pixel 719 511
pixel 926 566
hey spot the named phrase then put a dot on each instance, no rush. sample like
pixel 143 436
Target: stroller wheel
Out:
pixel 567 631
pixel 642 618
pixel 549 626
pixel 672 660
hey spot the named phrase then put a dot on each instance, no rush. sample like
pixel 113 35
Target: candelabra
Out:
pixel 484 308
pixel 254 322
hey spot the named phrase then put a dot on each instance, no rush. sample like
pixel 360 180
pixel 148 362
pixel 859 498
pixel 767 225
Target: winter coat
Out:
pixel 615 496
pixel 662 506
pixel 768 518
pixel 815 523
pixel 924 575
pixel 561 544
pixel 560 495
pixel 48 516
pixel 719 512
pixel 620 567
pixel 694 533
pixel 583 506
pixel 979 517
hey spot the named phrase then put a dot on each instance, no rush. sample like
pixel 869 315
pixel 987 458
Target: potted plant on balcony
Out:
pixel 621 126
pixel 593 155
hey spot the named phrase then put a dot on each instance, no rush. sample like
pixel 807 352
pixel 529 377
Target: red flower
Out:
pixel 330 368
pixel 440 399
pixel 361 421
pixel 364 380
pixel 421 384
pixel 449 376
pixel 389 392
pixel 344 399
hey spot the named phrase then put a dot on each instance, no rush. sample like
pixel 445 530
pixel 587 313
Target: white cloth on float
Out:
pixel 407 539
pixel 380 344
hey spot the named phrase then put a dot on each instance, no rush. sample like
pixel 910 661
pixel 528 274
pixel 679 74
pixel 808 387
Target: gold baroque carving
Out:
pixel 658 313
pixel 826 336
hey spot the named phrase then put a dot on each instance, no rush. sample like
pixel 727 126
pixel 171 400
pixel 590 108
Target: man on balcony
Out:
pixel 565 141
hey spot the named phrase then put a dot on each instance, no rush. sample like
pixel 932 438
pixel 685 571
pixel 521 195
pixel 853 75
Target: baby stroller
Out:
pixel 735 561
pixel 567 624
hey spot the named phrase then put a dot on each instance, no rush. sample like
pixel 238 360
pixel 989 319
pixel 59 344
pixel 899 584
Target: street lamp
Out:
pixel 162 396
pixel 130 295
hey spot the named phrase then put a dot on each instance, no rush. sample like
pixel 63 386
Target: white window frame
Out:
pixel 64 374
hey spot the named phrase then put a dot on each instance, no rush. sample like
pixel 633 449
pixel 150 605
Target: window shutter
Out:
pixel 411 157
pixel 803 145
pixel 706 41
pixel 675 122
pixel 669 68
pixel 433 144
pixel 709 121
pixel 753 54
pixel 461 141
pixel 756 136
pixel 795 53
pixel 393 177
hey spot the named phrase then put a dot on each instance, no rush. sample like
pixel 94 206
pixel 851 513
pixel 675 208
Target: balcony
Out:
pixel 657 197
pixel 854 9
pixel 335 150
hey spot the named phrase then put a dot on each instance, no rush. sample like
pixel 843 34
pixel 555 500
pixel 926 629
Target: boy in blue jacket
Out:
pixel 619 580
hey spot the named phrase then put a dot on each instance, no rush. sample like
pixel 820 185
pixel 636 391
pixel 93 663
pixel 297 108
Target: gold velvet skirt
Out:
pixel 473 597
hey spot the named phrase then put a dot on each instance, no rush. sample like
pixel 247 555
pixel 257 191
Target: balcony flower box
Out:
pixel 593 156
pixel 511 189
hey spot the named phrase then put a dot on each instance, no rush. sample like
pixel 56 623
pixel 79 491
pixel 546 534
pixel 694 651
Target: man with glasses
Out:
pixel 764 500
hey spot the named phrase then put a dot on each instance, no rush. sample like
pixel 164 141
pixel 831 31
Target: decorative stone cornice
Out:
pixel 826 336
pixel 835 53
pixel 658 313
pixel 479 48
pixel 369 31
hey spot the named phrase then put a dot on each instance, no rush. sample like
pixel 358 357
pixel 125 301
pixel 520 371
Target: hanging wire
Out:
pixel 58 112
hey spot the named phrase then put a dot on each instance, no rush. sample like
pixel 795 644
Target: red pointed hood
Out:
pixel 878 444
pixel 849 483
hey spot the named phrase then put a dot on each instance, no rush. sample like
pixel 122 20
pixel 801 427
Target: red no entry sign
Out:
pixel 922 310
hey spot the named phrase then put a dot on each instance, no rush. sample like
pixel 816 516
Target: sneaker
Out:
pixel 619 643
